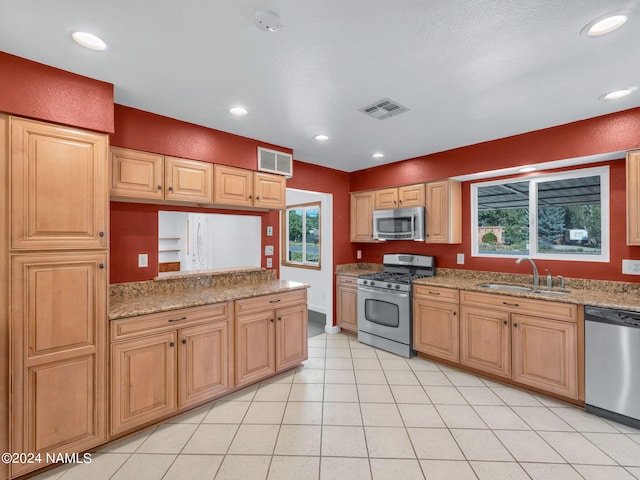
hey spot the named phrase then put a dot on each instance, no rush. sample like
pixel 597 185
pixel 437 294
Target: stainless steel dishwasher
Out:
pixel 612 364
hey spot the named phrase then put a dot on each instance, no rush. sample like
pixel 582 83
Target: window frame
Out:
pixel 285 236
pixel 534 180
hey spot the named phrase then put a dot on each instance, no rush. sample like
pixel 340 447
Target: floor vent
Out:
pixel 384 109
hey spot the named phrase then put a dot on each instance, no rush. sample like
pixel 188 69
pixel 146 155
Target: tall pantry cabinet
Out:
pixel 56 220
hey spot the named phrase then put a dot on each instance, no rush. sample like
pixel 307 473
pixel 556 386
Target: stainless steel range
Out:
pixel 385 302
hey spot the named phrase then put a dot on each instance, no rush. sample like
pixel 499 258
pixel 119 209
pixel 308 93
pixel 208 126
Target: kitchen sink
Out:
pixel 520 288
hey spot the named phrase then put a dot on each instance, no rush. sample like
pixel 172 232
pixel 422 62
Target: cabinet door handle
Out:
pixel 171 189
pixel 101 265
pixel 279 318
pixel 257 198
pixel 400 201
pixel 515 324
pixel 505 322
pixel 274 301
pixel 455 313
pixel 159 187
pixel 250 197
pixel 172 344
pixel 511 304
pixel 101 234
pixel 272 320
pixel 177 319
pixel 184 341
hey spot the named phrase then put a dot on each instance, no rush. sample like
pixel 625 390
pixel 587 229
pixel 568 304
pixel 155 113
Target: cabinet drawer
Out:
pixel 436 293
pixel 539 308
pixel 267 302
pixel 158 322
pixel 347 281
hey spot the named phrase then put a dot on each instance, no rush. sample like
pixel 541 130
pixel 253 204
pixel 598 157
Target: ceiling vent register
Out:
pixel 273 161
pixel 383 109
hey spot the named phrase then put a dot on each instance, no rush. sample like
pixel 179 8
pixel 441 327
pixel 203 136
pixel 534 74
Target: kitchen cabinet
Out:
pixel 435 322
pixel 58 187
pixel 633 197
pixel 271 335
pixel 347 303
pixel 533 342
pixel 164 362
pixel 362 204
pixel 142 175
pixel 246 188
pixel 444 212
pixel 400 197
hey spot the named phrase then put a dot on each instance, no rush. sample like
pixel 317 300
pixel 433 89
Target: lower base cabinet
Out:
pixel 347 303
pixel 157 368
pixel 435 322
pixel 271 335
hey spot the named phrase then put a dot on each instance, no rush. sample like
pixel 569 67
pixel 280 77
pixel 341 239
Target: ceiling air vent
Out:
pixel 383 109
pixel 273 161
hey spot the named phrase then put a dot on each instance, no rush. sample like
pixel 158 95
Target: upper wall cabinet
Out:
pixel 362 204
pixel 245 188
pixel 143 175
pixel 58 187
pixel 444 212
pixel 633 198
pixel 400 197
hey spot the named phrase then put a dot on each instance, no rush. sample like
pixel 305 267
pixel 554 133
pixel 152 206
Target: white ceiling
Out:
pixel 469 71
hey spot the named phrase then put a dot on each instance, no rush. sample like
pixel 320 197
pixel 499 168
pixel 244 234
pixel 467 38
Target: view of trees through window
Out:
pixel 566 220
pixel 303 235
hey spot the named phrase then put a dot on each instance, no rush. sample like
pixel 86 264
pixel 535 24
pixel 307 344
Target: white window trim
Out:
pixel 603 172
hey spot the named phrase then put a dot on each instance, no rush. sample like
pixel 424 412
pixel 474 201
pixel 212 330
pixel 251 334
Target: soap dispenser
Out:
pixel 549 278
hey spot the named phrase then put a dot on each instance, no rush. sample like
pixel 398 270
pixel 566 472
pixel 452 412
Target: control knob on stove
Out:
pixel 365 282
pixel 389 285
pixel 397 287
pixel 373 283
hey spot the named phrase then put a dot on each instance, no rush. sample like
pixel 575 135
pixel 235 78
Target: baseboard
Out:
pixel 334 329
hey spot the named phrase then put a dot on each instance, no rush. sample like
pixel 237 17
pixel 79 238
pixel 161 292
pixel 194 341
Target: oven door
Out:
pixel 385 313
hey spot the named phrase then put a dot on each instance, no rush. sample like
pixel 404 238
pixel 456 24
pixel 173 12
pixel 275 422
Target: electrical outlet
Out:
pixel 359 254
pixel 268 250
pixel 460 259
pixel 143 260
pixel 631 267
pixel 269 262
pixel 269 231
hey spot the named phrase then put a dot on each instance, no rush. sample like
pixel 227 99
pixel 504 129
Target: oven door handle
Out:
pixel 383 291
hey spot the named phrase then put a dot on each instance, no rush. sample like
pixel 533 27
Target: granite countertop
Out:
pixel 355 269
pixel 143 298
pixel 605 294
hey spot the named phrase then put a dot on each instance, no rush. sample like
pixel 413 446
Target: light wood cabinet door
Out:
pixel 362 217
pixel 545 354
pixel 255 346
pixel 436 329
pixel 59 179
pixel 291 336
pixel 411 196
pixel 188 180
pixel 386 198
pixel 633 198
pixel 203 363
pixel 485 341
pixel 136 174
pixel 270 191
pixel 444 212
pixel 58 351
pixel 143 380
pixel 232 186
pixel 347 303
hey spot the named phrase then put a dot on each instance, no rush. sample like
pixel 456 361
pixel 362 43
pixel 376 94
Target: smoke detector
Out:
pixel 267 20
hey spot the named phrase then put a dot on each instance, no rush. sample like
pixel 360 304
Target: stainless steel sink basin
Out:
pixel 520 288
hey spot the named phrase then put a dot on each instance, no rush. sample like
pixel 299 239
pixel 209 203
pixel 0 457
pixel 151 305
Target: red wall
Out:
pixel 620 131
pixel 38 91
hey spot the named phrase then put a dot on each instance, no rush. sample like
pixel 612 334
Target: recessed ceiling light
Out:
pixel 616 94
pixel 605 25
pixel 528 169
pixel 377 155
pixel 321 137
pixel 89 40
pixel 238 111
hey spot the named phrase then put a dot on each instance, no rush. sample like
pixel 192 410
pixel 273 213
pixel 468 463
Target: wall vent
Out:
pixel 383 109
pixel 273 161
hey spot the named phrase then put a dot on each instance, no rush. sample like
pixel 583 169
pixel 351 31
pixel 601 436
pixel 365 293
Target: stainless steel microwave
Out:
pixel 399 224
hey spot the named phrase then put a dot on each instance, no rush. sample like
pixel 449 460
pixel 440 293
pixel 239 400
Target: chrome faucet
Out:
pixel 536 279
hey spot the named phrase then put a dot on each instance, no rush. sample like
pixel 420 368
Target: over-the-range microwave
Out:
pixel 399 224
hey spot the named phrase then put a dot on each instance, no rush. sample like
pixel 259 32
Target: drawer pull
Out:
pixel 274 301
pixel 177 319
pixel 434 293
pixel 511 304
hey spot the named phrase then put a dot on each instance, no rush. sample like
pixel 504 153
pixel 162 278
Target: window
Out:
pixel 301 242
pixel 562 216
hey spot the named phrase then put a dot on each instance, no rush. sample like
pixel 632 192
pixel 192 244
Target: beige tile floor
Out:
pixel 353 412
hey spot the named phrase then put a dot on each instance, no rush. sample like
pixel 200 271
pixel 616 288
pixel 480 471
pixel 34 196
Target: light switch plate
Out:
pixel 460 259
pixel 143 260
pixel 269 231
pixel 269 262
pixel 631 267
pixel 268 250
